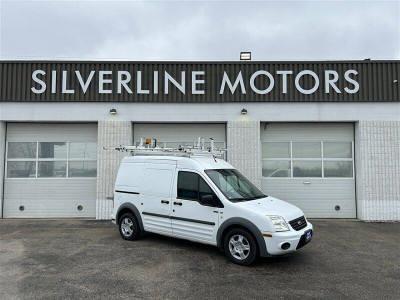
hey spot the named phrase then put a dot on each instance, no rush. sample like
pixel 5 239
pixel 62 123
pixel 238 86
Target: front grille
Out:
pixel 299 223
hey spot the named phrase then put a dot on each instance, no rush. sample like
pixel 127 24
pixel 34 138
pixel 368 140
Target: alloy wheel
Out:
pixel 127 227
pixel 239 247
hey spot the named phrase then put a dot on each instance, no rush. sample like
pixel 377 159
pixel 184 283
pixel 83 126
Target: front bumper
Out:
pixel 292 236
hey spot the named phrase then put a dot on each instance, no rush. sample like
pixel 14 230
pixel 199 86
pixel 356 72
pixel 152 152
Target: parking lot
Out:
pixel 82 258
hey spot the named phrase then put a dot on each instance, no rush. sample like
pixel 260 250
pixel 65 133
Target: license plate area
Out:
pixel 308 235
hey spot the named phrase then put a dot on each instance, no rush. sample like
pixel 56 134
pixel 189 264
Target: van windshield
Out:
pixel 234 185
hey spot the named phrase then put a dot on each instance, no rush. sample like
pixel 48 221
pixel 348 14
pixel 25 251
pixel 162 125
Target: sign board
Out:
pixel 199 81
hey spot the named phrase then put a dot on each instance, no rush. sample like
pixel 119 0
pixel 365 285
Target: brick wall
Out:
pixel 2 155
pixel 110 133
pixel 243 141
pixel 378 170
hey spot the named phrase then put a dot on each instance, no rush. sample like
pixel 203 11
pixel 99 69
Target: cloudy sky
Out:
pixel 199 30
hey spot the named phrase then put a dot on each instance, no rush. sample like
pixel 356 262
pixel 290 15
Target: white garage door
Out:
pixel 173 135
pixel 51 170
pixel 310 165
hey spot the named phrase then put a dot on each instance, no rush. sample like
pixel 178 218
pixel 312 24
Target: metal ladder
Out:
pixel 149 147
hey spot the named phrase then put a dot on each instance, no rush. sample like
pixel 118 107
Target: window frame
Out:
pixel 198 189
pixel 322 159
pixel 36 160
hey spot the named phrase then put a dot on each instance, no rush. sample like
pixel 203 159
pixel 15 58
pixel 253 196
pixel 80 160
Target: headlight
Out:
pixel 279 223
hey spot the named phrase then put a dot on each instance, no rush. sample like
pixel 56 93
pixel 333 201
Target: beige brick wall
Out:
pixel 110 133
pixel 2 155
pixel 378 170
pixel 243 144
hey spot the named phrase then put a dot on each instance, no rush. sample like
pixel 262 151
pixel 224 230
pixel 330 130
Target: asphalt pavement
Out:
pixel 48 259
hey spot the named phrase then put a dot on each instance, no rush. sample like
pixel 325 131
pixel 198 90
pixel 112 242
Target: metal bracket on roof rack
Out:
pixel 147 147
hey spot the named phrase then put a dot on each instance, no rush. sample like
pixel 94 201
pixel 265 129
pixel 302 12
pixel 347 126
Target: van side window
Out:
pixel 188 185
pixel 192 187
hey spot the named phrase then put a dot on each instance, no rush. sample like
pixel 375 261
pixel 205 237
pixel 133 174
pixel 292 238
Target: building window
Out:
pixel 52 150
pixel 307 159
pixel 83 150
pixel 52 169
pixel 51 160
pixel 21 150
pixel 276 159
pixel 82 169
pixel 21 169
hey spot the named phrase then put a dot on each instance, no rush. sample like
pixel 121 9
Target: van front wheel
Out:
pixel 240 247
pixel 129 227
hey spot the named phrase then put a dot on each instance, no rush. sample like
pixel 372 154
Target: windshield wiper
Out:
pixel 259 197
pixel 248 199
pixel 237 199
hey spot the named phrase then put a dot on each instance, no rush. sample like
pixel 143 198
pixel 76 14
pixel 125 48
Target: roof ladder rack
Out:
pixel 150 147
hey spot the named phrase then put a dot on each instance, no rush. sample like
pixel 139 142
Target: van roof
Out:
pixel 193 162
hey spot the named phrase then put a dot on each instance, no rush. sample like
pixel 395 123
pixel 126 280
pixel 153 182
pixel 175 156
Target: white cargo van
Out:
pixel 204 199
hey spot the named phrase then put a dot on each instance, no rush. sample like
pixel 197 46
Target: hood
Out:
pixel 271 206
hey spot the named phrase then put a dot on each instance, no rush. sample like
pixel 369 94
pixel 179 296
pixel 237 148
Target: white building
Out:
pixel 324 136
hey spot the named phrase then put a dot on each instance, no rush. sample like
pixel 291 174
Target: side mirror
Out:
pixel 207 200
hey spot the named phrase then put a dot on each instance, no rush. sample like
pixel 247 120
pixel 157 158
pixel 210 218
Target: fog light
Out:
pixel 285 246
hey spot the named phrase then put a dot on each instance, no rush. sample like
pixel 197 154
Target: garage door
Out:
pixel 51 170
pixel 173 135
pixel 310 165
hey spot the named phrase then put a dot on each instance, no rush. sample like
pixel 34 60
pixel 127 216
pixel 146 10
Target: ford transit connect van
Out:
pixel 206 200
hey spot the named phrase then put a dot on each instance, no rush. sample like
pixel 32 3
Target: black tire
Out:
pixel 248 241
pixel 127 232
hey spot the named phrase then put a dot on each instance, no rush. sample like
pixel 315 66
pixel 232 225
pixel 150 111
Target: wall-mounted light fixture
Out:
pixel 244 111
pixel 113 111
pixel 245 55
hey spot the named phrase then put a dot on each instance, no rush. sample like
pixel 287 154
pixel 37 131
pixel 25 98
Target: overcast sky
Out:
pixel 199 30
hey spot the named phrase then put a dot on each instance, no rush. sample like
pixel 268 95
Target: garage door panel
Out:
pixel 51 132
pixel 307 131
pixel 179 132
pixel 317 199
pixel 56 176
pixel 50 198
pixel 310 165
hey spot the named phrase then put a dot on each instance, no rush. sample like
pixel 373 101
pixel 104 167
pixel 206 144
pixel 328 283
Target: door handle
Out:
pixel 306 182
pixel 164 202
pixel 178 203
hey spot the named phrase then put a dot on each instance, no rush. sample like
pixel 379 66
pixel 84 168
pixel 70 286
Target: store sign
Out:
pixel 260 82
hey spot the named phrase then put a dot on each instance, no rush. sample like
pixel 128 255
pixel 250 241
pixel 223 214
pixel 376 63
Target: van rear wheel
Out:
pixel 240 247
pixel 129 227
